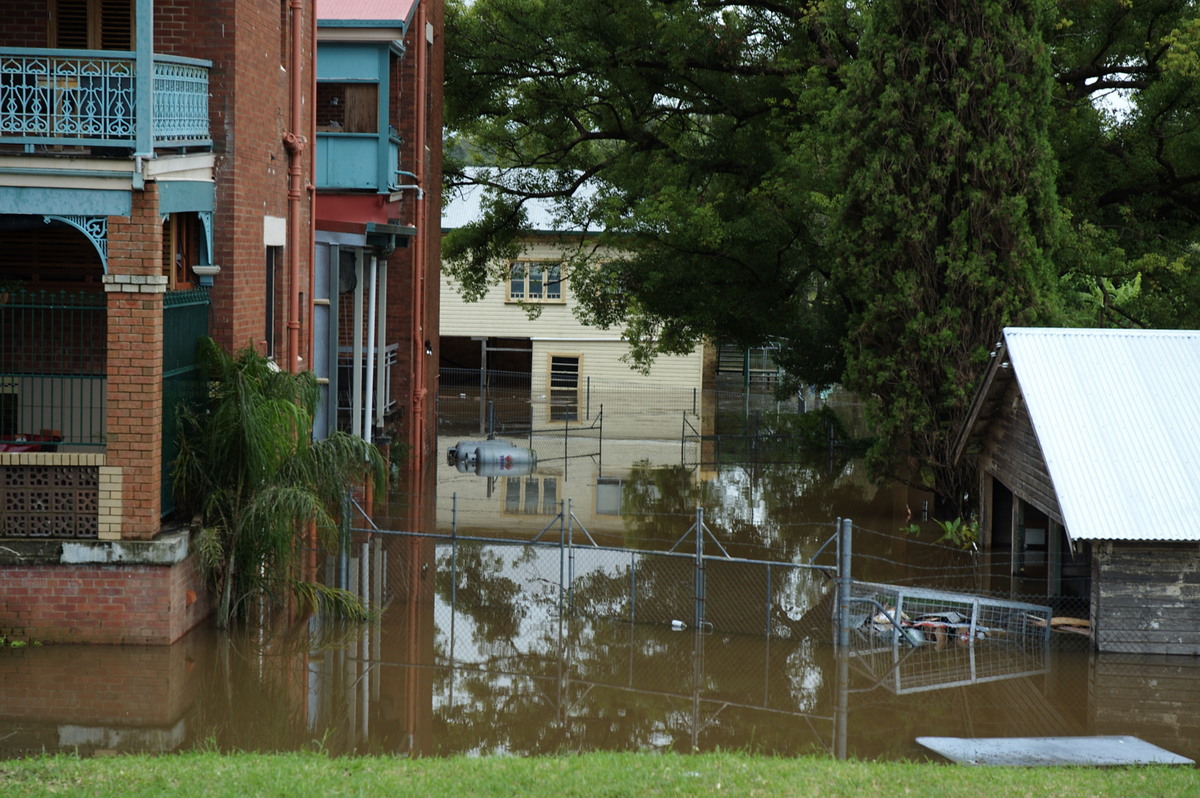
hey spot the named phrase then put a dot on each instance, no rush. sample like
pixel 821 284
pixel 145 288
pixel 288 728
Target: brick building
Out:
pixel 156 173
pixel 378 176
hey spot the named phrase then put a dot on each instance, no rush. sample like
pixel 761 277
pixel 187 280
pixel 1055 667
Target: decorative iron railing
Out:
pixel 88 98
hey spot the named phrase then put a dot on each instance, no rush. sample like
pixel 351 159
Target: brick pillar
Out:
pixel 135 285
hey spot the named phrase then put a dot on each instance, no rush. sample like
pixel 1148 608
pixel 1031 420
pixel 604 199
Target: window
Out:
pixel 274 257
pixel 348 107
pixel 564 387
pixel 608 495
pixel 181 249
pixel 531 495
pixel 92 25
pixel 531 281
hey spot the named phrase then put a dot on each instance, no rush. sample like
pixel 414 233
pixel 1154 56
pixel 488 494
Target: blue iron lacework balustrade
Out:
pixel 83 97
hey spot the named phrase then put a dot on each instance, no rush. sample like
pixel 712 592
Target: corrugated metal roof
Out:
pixel 380 11
pixel 1117 414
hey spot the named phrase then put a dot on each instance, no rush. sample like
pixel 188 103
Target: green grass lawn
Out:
pixel 604 774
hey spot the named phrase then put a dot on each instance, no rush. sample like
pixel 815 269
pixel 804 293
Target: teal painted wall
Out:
pixel 65 201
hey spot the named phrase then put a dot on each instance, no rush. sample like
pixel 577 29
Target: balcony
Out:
pixel 88 98
pixel 357 161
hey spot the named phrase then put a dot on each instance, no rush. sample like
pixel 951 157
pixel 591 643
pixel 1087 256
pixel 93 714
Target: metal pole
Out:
pixel 482 384
pixel 370 357
pixel 570 560
pixel 600 445
pixel 842 715
pixel 844 556
pixel 633 588
pixel 767 630
pixel 453 585
pixel 587 404
pixel 453 551
pixel 377 601
pixel 562 539
pixel 699 617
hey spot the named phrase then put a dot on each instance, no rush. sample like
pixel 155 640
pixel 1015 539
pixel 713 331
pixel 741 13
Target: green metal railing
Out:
pixel 53 355
pixel 185 322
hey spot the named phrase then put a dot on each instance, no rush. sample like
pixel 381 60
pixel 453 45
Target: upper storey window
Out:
pixel 92 25
pixel 530 281
pixel 348 107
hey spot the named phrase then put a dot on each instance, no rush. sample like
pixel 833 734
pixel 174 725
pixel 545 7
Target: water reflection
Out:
pixel 600 686
pixel 516 649
pixel 470 684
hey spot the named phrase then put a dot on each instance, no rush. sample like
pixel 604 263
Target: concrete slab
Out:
pixel 1034 751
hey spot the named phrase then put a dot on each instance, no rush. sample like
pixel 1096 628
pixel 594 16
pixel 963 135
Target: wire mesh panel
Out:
pixel 497 599
pixel 914 639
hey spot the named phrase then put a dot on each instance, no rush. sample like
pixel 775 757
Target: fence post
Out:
pixel 632 588
pixel 570 560
pixel 562 562
pixel 699 619
pixel 600 444
pixel 587 402
pixel 767 630
pixel 844 555
pixel 453 556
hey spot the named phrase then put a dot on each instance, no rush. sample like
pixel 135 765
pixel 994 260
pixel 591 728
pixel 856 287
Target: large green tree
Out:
pixel 679 119
pixel 948 210
pixel 880 186
pixel 1127 136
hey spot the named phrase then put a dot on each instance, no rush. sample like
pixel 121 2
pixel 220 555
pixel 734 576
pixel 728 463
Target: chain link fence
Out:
pixel 556 571
pixel 680 646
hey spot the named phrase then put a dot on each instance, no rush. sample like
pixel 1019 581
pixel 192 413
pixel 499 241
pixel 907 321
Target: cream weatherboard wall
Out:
pixel 636 404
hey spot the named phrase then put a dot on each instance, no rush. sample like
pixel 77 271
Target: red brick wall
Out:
pixel 25 25
pixel 405 272
pixel 175 26
pixel 134 386
pixel 252 107
pixel 119 604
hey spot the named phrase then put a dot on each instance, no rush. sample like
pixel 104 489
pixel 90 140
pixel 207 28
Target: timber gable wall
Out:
pixel 1011 453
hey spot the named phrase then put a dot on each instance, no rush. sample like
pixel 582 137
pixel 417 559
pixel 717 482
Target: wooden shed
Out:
pixel 1087 449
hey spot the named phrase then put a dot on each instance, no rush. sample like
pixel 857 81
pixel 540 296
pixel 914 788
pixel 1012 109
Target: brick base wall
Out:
pixel 109 603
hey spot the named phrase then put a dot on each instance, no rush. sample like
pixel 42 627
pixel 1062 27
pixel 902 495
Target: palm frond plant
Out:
pixel 250 470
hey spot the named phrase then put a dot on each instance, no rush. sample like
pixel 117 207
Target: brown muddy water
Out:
pixel 482 649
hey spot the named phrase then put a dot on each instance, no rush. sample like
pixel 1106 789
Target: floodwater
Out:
pixel 557 611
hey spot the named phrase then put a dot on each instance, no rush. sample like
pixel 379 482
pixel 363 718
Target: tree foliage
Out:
pixel 249 468
pixel 948 209
pixel 881 186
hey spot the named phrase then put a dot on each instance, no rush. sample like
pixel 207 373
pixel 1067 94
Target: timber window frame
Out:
pixel 182 236
pixel 348 107
pixel 92 25
pixel 563 384
pixel 537 281
pixel 529 495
